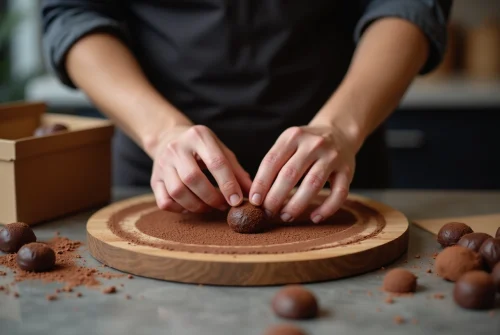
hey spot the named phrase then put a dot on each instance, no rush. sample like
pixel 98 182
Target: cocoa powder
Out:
pixel 66 270
pixel 209 233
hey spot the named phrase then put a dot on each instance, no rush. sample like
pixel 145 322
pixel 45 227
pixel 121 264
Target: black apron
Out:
pixel 246 69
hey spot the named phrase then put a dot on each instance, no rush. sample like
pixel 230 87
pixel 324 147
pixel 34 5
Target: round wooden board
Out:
pixel 247 269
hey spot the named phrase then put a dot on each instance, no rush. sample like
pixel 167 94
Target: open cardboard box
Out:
pixel 42 178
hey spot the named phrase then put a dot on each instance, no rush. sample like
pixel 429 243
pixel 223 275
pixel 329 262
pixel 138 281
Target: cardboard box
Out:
pixel 43 178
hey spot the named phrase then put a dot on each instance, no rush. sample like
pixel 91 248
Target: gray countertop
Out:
pixel 351 306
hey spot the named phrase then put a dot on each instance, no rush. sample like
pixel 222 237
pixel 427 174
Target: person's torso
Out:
pixel 244 68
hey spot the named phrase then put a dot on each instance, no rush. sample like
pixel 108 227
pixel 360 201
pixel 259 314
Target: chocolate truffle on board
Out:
pixel 246 218
pixel 454 261
pixel 36 257
pixel 49 129
pixel 295 302
pixel 284 330
pixel 475 290
pixel 495 274
pixel 490 250
pixel 451 232
pixel 473 241
pixel 400 281
pixel 13 236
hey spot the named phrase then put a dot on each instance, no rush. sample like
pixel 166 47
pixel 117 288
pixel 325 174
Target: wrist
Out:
pixel 342 112
pixel 152 136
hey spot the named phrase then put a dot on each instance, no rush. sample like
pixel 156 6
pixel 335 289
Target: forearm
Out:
pixel 103 67
pixel 388 57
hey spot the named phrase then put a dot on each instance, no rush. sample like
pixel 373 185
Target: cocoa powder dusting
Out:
pixel 66 270
pixel 399 320
pixel 209 233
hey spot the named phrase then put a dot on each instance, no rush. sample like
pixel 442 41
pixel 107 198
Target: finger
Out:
pixel 196 181
pixel 278 155
pixel 218 164
pixel 181 194
pixel 242 176
pixel 286 180
pixel 340 191
pixel 312 183
pixel 163 200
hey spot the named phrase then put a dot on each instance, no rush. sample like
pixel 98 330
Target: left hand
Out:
pixel 317 153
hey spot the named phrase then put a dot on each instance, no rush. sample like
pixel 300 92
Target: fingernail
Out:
pixel 286 217
pixel 269 214
pixel 317 218
pixel 234 199
pixel 256 199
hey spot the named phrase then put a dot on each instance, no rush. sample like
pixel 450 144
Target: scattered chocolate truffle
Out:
pixel 456 260
pixel 497 234
pixel 109 290
pixel 246 218
pixel 284 330
pixel 475 290
pixel 400 281
pixel 49 129
pixel 295 302
pixel 495 274
pixel 473 241
pixel 451 232
pixel 36 257
pixel 490 250
pixel 13 236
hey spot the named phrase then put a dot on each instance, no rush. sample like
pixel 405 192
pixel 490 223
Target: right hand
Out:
pixel 177 180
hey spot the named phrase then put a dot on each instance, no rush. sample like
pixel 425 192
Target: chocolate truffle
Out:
pixel 495 274
pixel 49 129
pixel 454 261
pixel 246 218
pixel 36 257
pixel 490 251
pixel 400 281
pixel 13 236
pixel 284 330
pixel 295 302
pixel 451 232
pixel 473 241
pixel 475 290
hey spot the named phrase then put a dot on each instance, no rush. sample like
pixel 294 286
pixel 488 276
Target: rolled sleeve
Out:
pixel 66 22
pixel 431 16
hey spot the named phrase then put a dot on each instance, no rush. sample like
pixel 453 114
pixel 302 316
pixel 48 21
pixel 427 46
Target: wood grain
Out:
pixel 479 223
pixel 248 270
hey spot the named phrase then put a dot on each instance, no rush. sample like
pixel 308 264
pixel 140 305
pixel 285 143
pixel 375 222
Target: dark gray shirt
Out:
pixel 248 69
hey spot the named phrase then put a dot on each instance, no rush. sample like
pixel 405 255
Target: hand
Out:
pixel 177 180
pixel 318 153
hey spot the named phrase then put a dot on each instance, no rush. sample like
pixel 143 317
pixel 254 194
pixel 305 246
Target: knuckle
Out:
pixel 295 132
pixel 229 185
pixel 271 158
pixel 191 177
pixel 289 173
pixel 316 180
pixel 176 191
pixel 260 183
pixel 197 131
pixel 272 200
pixel 171 148
pixel 342 192
pixel 217 163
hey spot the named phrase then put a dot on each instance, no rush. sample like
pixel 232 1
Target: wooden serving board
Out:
pixel 479 223
pixel 332 261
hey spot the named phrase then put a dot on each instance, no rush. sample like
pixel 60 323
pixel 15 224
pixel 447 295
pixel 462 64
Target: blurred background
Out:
pixel 444 135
